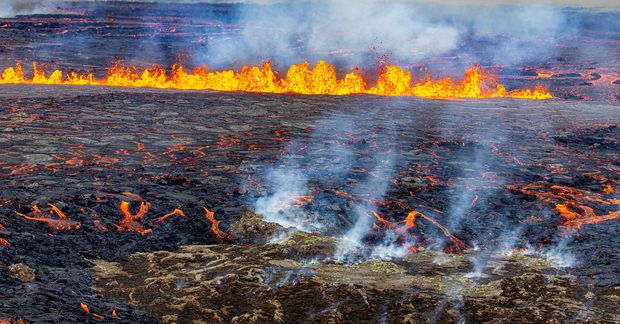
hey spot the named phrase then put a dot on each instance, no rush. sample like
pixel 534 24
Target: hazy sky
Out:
pixel 576 3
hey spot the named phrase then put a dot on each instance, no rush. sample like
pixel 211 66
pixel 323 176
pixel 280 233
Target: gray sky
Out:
pixel 575 3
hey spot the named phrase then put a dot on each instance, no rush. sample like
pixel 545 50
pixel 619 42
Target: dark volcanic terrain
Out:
pixel 86 150
pixel 104 190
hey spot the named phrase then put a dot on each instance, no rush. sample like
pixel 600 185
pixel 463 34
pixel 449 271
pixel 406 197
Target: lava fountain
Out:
pixel 300 79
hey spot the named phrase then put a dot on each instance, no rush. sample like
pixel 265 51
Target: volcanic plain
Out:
pixel 87 150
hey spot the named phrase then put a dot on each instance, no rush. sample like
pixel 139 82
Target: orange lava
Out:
pixel 3 241
pixel 161 219
pixel 402 231
pixel 300 78
pixel 572 203
pixel 86 310
pixel 215 227
pixel 15 321
pixel 576 216
pixel 60 223
pixel 131 222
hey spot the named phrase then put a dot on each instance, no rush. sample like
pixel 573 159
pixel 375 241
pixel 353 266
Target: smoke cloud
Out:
pixel 358 33
pixel 290 33
pixel 351 152
pixel 10 8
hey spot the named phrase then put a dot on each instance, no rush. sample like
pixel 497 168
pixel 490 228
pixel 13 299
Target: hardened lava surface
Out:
pixel 129 171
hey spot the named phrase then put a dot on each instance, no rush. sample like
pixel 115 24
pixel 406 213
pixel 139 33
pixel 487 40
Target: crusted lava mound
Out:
pixel 290 281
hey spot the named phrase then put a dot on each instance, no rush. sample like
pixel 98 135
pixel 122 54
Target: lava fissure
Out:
pixel 300 79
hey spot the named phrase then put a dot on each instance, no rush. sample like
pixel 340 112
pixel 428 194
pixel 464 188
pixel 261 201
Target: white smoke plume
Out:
pixel 330 158
pixel 352 33
pixel 10 8
pixel 352 29
pixel 360 32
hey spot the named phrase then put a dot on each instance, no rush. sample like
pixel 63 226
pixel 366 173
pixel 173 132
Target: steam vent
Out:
pixel 346 161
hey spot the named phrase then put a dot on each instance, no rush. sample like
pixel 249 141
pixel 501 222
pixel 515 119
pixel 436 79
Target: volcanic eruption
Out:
pixel 324 161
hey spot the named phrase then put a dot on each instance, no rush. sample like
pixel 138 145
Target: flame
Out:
pixel 215 227
pixel 99 226
pixel 300 78
pixel 60 223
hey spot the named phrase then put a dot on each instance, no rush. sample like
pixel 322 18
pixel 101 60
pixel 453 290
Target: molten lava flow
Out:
pixel 161 219
pixel 86 310
pixel 300 78
pixel 572 203
pixel 130 223
pixel 12 321
pixel 584 216
pixel 402 230
pixel 215 227
pixel 60 223
pixel 291 202
pixel 3 241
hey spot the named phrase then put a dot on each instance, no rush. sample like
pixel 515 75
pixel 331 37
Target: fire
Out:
pixel 215 227
pixel 300 78
pixel 60 223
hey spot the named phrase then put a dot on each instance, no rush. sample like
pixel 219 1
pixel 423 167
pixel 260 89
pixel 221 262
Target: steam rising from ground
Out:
pixel 346 145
